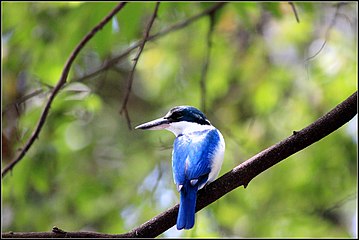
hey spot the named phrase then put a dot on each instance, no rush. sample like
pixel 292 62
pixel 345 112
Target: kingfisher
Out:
pixel 197 155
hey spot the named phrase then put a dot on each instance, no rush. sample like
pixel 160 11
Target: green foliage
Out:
pixel 88 171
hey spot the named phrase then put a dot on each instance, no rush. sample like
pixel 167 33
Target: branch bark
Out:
pixel 238 176
pixel 59 85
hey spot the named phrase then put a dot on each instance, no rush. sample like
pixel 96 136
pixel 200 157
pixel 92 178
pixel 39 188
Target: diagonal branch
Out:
pixel 130 78
pixel 59 85
pixel 238 176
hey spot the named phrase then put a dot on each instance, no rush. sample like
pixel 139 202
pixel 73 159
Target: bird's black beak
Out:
pixel 161 123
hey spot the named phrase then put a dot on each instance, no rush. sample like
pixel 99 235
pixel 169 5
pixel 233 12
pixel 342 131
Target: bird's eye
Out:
pixel 175 116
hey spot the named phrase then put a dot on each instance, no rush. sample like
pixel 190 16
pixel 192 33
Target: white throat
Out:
pixel 186 127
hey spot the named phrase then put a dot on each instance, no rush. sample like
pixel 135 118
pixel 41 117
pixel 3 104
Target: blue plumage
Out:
pixel 192 160
pixel 196 157
pixel 187 207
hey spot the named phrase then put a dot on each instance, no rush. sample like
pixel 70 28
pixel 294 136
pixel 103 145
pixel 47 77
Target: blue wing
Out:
pixel 192 156
pixel 191 162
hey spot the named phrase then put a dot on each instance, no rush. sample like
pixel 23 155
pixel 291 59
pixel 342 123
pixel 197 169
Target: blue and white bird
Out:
pixel 197 155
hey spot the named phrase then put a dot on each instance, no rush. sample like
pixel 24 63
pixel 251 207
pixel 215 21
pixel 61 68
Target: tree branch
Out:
pixel 130 78
pixel 238 176
pixel 59 85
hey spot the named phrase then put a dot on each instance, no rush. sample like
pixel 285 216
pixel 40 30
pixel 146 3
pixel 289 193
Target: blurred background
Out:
pixel 267 75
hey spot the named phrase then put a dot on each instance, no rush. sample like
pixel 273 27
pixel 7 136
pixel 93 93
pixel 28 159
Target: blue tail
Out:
pixel 187 206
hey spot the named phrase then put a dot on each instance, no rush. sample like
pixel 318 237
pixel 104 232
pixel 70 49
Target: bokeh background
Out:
pixel 267 76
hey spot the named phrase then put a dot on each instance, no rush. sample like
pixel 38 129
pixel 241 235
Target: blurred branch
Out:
pixel 111 62
pixel 59 85
pixel 327 32
pixel 331 213
pixel 130 78
pixel 294 11
pixel 238 176
pixel 21 100
pixel 206 61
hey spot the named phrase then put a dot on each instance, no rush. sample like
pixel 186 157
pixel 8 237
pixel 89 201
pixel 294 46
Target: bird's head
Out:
pixel 178 120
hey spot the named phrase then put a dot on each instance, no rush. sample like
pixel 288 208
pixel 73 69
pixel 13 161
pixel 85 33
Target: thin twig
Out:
pixel 327 211
pixel 130 78
pixel 59 85
pixel 206 61
pixel 327 33
pixel 22 99
pixel 238 176
pixel 295 11
pixel 317 53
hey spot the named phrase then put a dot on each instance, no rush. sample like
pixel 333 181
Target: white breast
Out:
pixel 217 160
